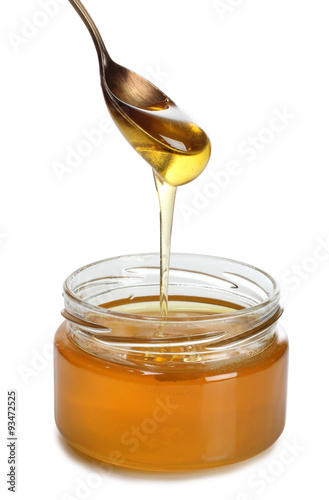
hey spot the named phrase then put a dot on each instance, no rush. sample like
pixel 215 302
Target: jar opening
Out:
pixel 231 306
pixel 132 278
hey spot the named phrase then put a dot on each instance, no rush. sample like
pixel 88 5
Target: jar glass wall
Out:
pixel 202 388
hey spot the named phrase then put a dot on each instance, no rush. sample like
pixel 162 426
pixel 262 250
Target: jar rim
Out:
pixel 272 296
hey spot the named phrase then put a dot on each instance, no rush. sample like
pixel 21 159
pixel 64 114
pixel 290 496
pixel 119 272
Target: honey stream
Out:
pixel 177 149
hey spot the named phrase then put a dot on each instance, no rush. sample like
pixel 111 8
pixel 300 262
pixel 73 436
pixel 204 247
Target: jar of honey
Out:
pixel 204 387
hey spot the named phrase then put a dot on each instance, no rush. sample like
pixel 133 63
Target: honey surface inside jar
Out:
pixel 169 417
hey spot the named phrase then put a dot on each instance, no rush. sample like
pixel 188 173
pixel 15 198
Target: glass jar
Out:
pixel 204 387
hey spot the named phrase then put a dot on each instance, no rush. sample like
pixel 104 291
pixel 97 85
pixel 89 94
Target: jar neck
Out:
pixel 134 339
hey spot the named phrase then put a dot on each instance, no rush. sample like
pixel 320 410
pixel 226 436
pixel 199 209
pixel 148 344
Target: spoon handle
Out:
pixel 92 28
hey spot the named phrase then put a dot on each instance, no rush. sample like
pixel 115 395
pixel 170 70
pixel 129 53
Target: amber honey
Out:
pixel 171 413
pixel 168 139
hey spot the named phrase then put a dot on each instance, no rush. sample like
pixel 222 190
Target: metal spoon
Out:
pixel 151 122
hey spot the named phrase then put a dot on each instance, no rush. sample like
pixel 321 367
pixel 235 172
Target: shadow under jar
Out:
pixel 202 388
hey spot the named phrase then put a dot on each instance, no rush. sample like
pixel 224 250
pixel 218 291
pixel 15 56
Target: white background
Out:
pixel 234 69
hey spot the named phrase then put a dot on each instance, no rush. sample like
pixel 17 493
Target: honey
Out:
pixel 161 133
pixel 186 417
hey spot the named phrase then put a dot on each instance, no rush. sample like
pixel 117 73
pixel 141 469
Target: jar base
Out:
pixel 120 462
